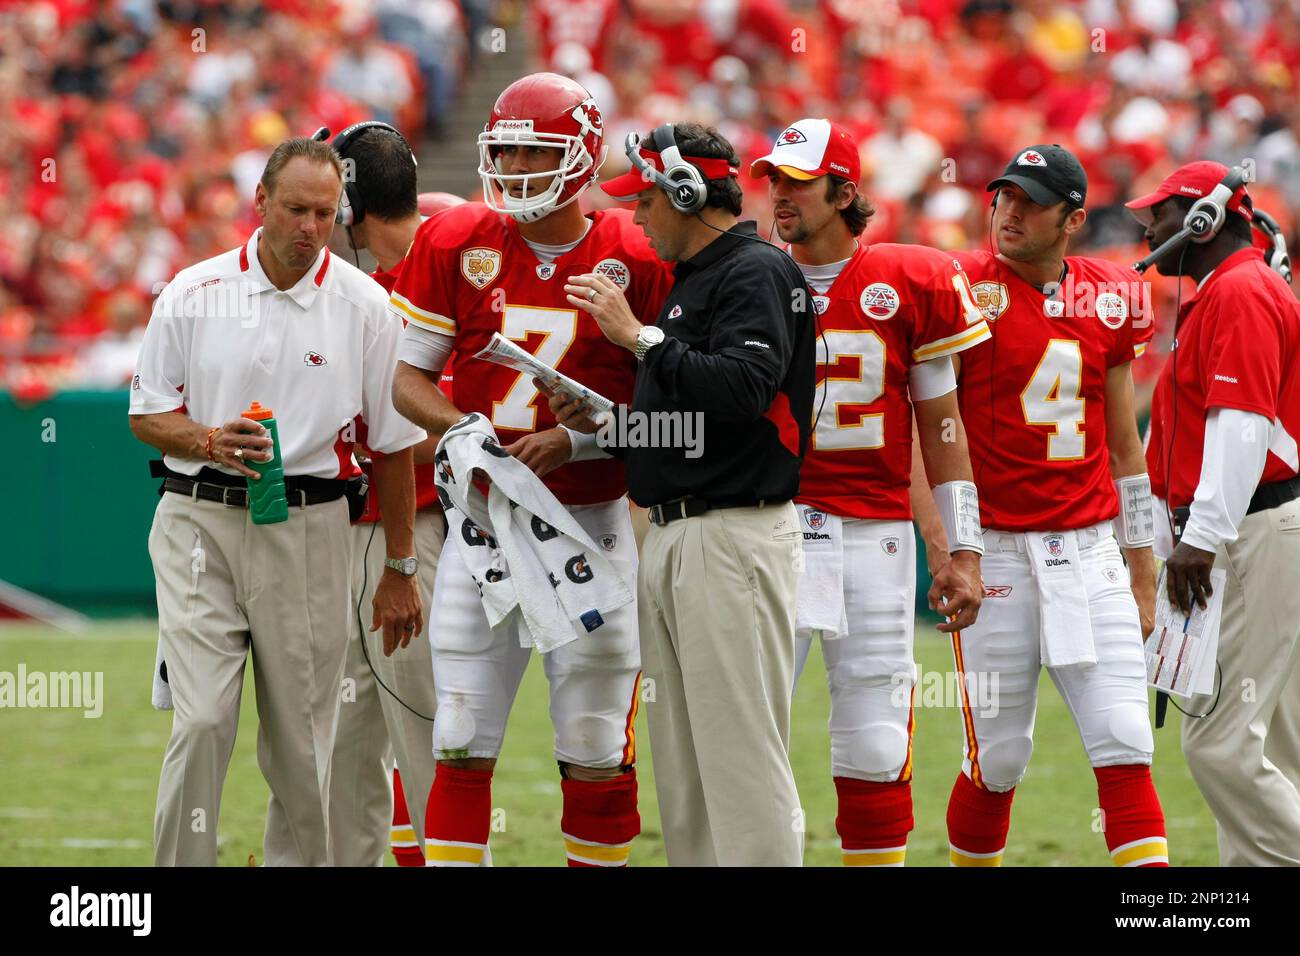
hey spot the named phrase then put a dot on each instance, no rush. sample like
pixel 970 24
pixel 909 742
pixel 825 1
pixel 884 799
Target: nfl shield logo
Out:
pixel 890 545
pixel 545 270
pixel 1055 544
pixel 608 541
pixel 815 519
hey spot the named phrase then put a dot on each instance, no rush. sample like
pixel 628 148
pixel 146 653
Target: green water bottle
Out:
pixel 267 499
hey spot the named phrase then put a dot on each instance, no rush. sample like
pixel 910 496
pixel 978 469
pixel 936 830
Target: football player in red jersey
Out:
pixel 890 317
pixel 1048 404
pixel 501 267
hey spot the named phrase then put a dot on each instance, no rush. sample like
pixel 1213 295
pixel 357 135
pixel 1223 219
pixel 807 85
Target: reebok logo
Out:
pixel 757 344
pixel 1226 378
pixel 74 908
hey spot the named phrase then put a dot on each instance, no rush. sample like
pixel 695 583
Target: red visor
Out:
pixel 625 188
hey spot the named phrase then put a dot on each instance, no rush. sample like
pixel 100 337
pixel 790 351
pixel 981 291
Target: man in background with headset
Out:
pixel 1222 455
pixel 382 725
pixel 733 347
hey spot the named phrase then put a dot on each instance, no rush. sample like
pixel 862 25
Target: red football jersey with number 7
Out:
pixel 1033 397
pixel 892 307
pixel 469 274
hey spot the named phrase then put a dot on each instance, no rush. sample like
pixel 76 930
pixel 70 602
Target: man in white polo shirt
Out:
pixel 280 322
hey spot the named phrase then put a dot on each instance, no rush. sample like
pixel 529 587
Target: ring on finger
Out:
pixel 239 453
pixel 591 295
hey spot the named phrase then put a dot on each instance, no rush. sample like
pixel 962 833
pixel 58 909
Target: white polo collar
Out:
pixel 303 292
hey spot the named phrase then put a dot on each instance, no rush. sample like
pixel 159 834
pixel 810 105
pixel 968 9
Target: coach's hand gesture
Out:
pixel 959 582
pixel 599 297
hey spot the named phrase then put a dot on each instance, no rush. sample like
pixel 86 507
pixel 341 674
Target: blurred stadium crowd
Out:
pixel 157 150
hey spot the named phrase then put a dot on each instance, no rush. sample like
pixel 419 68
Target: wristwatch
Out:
pixel 403 566
pixel 646 339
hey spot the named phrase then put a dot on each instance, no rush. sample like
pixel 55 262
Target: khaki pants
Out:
pixel 717 603
pixel 1245 755
pixel 224 585
pixel 373 727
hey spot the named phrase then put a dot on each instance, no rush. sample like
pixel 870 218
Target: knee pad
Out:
pixel 877 751
pixel 453 728
pixel 1130 733
pixel 589 740
pixel 1002 763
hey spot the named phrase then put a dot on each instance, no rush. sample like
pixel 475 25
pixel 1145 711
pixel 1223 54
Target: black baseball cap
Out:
pixel 1049 174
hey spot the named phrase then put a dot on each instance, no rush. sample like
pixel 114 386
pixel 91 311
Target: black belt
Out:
pixel 691 507
pixel 301 490
pixel 1266 497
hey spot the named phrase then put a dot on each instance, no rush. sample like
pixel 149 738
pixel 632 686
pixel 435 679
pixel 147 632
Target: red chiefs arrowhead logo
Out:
pixel 1031 158
pixel 791 136
pixel 314 358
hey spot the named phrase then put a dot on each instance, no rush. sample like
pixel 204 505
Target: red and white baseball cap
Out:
pixel 1195 181
pixel 812 148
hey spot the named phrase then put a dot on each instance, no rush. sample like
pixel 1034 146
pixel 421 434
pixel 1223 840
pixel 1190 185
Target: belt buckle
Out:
pixel 225 497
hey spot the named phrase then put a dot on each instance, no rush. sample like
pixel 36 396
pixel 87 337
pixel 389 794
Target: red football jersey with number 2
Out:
pixel 892 307
pixel 469 274
pixel 1033 398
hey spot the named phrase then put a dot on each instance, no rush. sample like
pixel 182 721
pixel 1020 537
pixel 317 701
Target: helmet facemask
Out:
pixel 574 174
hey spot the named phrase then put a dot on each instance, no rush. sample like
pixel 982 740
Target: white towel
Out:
pixel 162 692
pixel 525 551
pixel 820 604
pixel 1065 627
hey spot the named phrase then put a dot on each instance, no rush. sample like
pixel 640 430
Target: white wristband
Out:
pixel 1135 525
pixel 584 446
pixel 959 510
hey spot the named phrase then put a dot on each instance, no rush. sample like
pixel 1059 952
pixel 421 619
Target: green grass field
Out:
pixel 80 792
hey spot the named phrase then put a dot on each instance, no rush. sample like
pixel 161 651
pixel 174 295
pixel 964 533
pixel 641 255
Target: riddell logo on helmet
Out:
pixel 513 126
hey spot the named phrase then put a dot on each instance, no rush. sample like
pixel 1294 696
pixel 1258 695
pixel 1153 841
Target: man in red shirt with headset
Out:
pixel 1223 460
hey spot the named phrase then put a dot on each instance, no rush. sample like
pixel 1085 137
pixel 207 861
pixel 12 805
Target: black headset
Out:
pixel 685 185
pixel 352 208
pixel 1277 257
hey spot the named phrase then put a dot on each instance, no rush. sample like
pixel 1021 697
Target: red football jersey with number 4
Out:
pixel 1033 397
pixel 892 307
pixel 469 274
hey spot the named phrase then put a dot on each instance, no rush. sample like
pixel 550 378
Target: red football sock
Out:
pixel 406 849
pixel 873 821
pixel 600 820
pixel 978 821
pixel 1133 821
pixel 458 818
